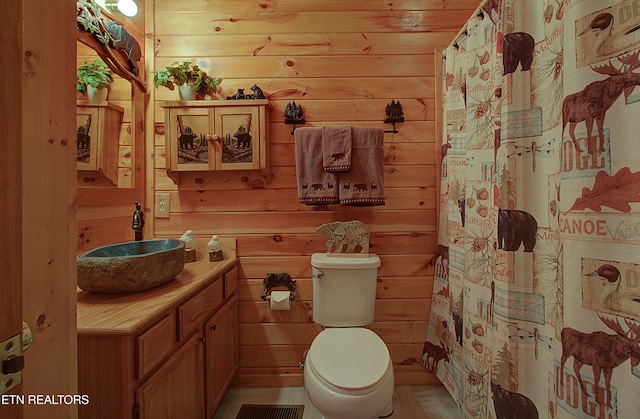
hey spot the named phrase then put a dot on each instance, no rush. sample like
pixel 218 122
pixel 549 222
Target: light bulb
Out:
pixel 128 8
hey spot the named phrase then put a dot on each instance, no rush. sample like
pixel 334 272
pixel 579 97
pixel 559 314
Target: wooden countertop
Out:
pixel 109 314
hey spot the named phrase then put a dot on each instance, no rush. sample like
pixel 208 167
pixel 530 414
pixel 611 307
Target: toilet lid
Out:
pixel 350 358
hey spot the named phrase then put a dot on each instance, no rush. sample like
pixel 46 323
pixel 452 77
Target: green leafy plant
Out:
pixel 179 74
pixel 93 73
pixel 89 20
pixel 209 85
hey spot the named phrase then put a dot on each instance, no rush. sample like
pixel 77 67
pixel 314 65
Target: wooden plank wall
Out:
pixel 48 199
pixel 343 61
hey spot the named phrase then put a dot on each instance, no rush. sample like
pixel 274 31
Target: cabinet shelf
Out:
pixel 207 137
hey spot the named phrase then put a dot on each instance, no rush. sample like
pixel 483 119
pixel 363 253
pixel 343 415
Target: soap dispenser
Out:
pixel 214 248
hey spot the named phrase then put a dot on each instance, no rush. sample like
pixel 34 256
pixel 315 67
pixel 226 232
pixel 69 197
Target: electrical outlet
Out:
pixel 162 205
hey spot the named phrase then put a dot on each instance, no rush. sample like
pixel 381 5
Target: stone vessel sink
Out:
pixel 130 266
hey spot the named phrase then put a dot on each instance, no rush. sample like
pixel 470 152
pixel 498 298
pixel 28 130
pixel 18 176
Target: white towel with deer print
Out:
pixel 364 183
pixel 315 185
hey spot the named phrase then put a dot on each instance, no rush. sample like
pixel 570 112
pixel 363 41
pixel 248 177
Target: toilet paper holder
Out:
pixel 278 280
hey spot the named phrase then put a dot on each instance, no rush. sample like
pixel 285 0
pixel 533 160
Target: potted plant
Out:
pixel 93 79
pixel 189 78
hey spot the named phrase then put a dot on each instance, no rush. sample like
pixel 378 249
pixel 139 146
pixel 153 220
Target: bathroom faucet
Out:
pixel 138 222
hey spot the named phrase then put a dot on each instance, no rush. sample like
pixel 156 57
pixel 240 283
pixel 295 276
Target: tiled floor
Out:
pixel 409 402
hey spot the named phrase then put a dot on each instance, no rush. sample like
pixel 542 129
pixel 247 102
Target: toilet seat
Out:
pixel 350 359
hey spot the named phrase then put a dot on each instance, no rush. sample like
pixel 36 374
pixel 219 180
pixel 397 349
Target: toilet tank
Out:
pixel 344 289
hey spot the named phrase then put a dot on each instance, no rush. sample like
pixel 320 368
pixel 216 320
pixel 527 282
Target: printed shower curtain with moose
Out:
pixel 536 300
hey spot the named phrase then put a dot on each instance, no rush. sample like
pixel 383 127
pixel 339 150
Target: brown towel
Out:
pixel 336 148
pixel 315 186
pixel 364 183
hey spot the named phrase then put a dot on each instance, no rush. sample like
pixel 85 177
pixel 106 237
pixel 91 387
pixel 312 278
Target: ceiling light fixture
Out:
pixel 128 8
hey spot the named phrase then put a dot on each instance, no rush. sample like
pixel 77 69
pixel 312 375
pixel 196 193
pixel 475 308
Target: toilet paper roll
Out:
pixel 280 300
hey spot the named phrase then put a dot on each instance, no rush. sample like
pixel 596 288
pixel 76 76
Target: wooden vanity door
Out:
pixel 176 389
pixel 221 353
pixel 239 129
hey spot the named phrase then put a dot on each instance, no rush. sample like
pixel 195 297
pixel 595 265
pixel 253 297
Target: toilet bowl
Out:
pixel 348 374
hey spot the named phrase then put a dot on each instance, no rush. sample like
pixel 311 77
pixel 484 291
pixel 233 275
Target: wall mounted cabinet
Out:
pixel 98 138
pixel 206 137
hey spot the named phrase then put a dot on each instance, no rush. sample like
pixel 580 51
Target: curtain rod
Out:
pixel 463 31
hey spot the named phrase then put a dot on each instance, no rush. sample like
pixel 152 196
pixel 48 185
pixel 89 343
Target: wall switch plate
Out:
pixel 162 205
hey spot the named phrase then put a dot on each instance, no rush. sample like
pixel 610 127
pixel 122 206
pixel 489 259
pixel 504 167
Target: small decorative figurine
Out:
pixel 238 95
pixel 257 92
pixel 121 39
pixel 112 36
pixel 188 239
pixel 294 113
pixel 214 248
pixel 352 234
pixel 282 279
pixel 394 112
pixel 189 246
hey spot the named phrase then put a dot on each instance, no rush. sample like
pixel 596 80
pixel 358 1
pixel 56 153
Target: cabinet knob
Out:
pixel 213 328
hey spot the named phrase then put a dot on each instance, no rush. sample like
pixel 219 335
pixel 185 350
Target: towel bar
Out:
pixel 394 130
pixel 296 122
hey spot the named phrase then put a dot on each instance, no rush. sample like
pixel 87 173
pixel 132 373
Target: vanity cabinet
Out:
pixel 98 138
pixel 203 137
pixel 165 353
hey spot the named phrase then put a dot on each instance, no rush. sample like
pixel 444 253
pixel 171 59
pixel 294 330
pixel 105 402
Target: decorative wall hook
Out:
pixel 394 114
pixel 294 115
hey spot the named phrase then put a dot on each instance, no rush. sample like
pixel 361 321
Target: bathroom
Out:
pixel 343 62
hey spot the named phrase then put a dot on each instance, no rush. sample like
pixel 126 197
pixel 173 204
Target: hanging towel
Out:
pixel 336 148
pixel 364 183
pixel 315 185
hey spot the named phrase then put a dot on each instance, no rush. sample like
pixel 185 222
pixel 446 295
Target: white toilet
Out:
pixel 348 373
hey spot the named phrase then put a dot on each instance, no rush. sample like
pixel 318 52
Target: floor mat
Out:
pixel 270 411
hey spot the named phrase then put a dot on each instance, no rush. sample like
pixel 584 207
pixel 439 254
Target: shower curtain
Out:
pixel 536 300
